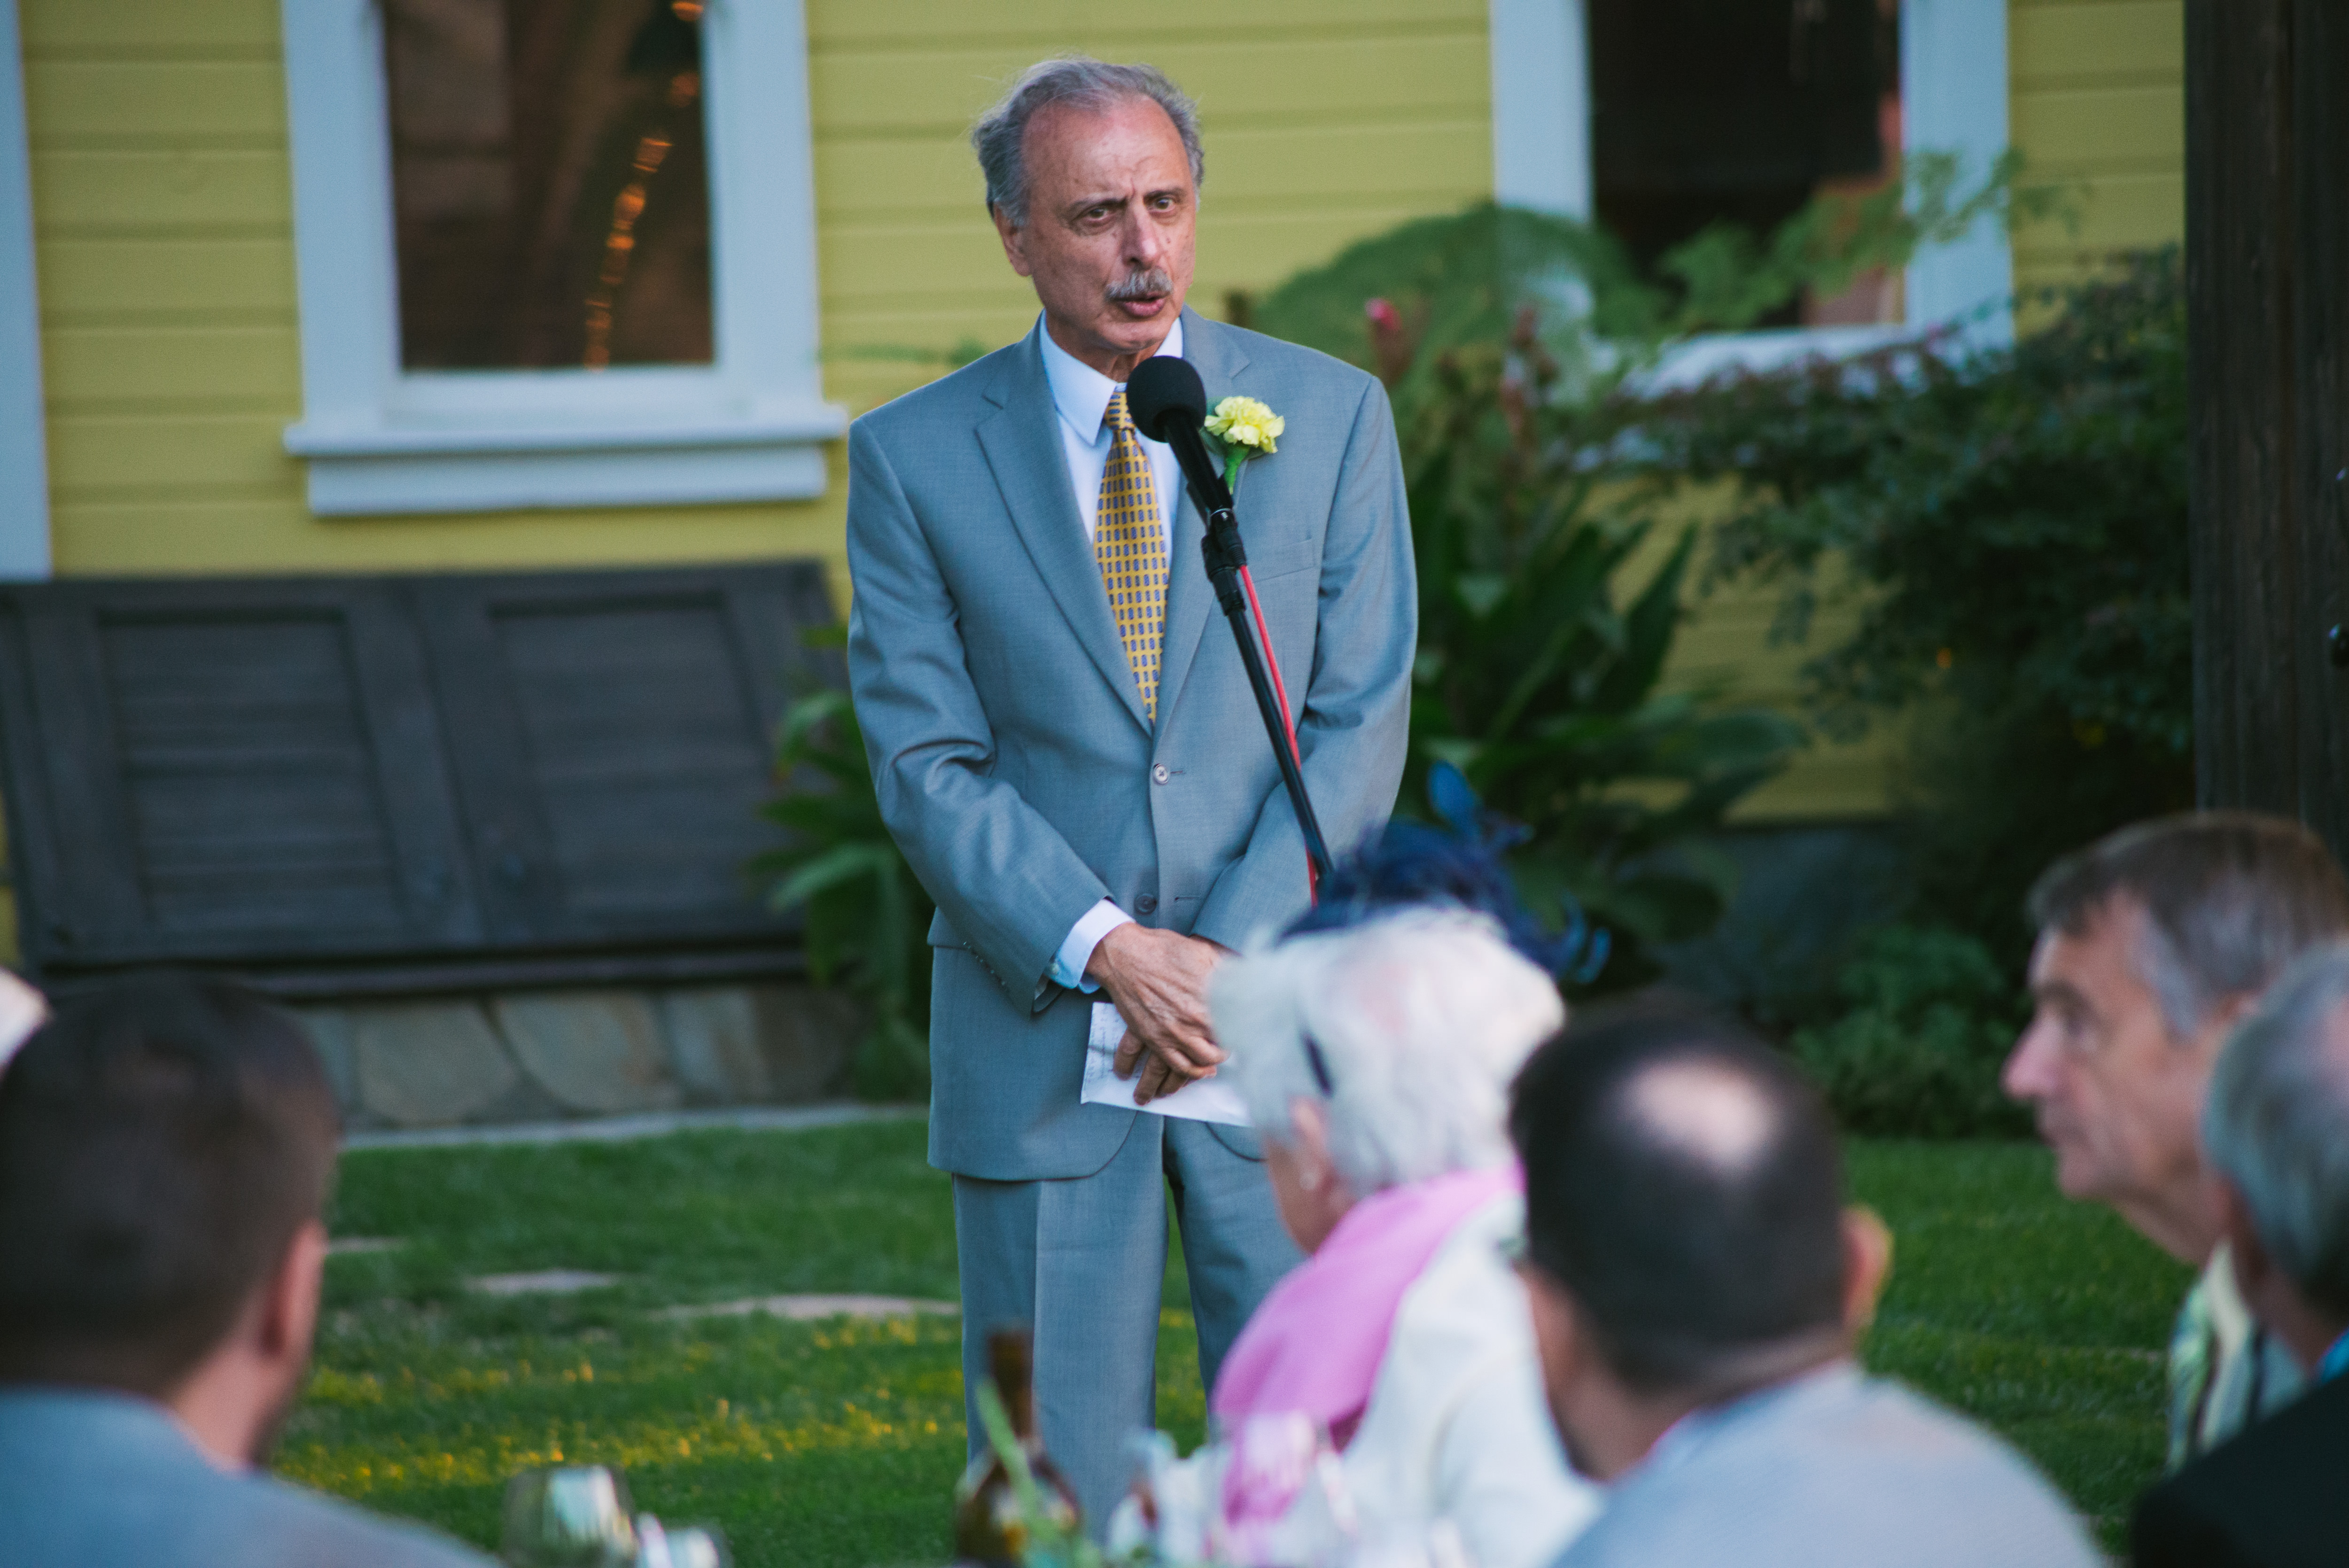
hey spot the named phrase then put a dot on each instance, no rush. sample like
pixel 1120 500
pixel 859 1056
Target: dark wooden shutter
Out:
pixel 217 770
pixel 612 737
pixel 402 783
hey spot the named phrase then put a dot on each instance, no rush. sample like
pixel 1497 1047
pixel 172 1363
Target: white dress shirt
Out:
pixel 1081 396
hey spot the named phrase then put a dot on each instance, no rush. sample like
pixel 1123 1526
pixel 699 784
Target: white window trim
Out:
pixel 750 427
pixel 1953 73
pixel 24 435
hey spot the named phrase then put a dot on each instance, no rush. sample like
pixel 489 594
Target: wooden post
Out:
pixel 2267 258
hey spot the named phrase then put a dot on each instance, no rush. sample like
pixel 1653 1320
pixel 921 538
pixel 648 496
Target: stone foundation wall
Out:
pixel 545 1055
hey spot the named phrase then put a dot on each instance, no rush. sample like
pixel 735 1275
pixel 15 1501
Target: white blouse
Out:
pixel 1457 1429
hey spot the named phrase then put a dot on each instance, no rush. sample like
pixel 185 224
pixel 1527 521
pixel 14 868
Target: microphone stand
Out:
pixel 1226 557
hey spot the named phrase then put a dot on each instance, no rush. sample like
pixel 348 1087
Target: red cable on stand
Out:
pixel 1287 723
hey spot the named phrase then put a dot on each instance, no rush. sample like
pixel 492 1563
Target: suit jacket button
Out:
pixel 1147 903
pixel 1158 774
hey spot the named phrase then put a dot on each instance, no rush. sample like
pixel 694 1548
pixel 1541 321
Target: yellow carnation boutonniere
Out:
pixel 1246 429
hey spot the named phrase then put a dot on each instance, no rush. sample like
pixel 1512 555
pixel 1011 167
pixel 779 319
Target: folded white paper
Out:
pixel 1201 1100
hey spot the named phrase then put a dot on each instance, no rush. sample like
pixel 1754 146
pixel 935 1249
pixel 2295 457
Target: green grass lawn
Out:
pixel 837 1443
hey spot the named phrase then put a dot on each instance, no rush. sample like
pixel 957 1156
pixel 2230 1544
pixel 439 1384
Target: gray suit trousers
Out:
pixel 1084 1260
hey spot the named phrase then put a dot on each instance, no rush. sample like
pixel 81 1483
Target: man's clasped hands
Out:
pixel 1159 981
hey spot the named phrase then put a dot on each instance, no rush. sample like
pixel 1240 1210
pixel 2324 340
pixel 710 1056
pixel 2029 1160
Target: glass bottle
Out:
pixel 991 1525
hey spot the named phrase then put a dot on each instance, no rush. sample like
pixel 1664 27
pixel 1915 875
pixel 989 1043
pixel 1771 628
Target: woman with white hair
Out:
pixel 1375 1062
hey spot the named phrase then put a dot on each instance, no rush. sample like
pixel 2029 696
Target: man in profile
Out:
pixel 2276 1130
pixel 1070 754
pixel 1697 1287
pixel 2153 942
pixel 165 1149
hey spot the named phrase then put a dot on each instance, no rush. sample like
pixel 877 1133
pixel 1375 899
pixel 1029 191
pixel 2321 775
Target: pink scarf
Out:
pixel 1316 1344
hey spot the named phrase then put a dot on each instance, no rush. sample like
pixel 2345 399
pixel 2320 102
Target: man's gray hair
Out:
pixel 1082 82
pixel 2228 899
pixel 2277 1123
pixel 1409 1029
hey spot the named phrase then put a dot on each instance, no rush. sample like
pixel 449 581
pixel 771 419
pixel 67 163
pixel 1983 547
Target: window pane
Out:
pixel 550 182
pixel 1742 110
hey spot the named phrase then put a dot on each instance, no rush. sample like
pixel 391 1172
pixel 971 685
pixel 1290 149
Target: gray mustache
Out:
pixel 1142 285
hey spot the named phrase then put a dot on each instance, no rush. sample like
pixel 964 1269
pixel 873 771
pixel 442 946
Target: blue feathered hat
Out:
pixel 1455 861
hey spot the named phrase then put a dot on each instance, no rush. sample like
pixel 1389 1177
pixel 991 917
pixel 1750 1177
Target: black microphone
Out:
pixel 1169 404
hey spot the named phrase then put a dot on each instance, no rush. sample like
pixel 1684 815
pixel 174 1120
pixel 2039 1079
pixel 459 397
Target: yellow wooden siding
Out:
pixel 1324 122
pixel 163 224
pixel 2097 106
pixel 1726 652
pixel 1724 647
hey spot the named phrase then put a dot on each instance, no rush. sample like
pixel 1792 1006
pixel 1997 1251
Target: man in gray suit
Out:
pixel 1086 791
pixel 165 1148
pixel 1697 1288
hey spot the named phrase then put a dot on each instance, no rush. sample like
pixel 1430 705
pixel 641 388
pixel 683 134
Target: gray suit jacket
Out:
pixel 1007 741
pixel 1829 1470
pixel 93 1479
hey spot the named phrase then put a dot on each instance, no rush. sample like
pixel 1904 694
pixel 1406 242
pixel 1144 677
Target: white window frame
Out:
pixel 750 427
pixel 24 431
pixel 1953 86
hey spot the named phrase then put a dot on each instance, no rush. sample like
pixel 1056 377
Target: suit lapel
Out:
pixel 1022 443
pixel 1190 597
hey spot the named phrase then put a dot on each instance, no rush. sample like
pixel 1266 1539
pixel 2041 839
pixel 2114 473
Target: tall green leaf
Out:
pixel 867 916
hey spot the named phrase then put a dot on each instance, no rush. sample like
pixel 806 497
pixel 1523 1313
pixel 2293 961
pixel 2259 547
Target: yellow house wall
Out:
pixel 163 229
pixel 2096 104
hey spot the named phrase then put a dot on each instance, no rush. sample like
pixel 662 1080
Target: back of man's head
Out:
pixel 2277 1125
pixel 1684 1186
pixel 161 1143
pixel 2229 899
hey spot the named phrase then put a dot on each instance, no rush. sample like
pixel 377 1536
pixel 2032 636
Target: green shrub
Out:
pixel 868 917
pixel 1542 685
pixel 1930 1018
pixel 1509 339
pixel 2010 528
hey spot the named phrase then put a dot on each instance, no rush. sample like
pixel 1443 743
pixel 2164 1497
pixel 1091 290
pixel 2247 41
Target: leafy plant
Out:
pixel 867 916
pixel 1930 1018
pixel 2008 529
pixel 1510 340
pixel 1462 280
pixel 1727 278
pixel 1435 284
pixel 1539 686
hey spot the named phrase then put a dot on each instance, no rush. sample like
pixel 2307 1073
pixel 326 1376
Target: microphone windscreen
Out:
pixel 1164 389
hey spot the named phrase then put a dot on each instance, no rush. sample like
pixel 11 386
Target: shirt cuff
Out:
pixel 1069 964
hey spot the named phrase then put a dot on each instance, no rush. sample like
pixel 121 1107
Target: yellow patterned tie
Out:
pixel 1132 551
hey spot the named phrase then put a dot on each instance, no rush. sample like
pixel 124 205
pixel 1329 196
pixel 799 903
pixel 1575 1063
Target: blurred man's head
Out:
pixel 165 1149
pixel 1092 179
pixel 2276 1126
pixel 1686 1235
pixel 2152 943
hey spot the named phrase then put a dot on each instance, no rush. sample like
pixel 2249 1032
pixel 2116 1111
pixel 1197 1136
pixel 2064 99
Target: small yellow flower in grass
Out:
pixel 1246 422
